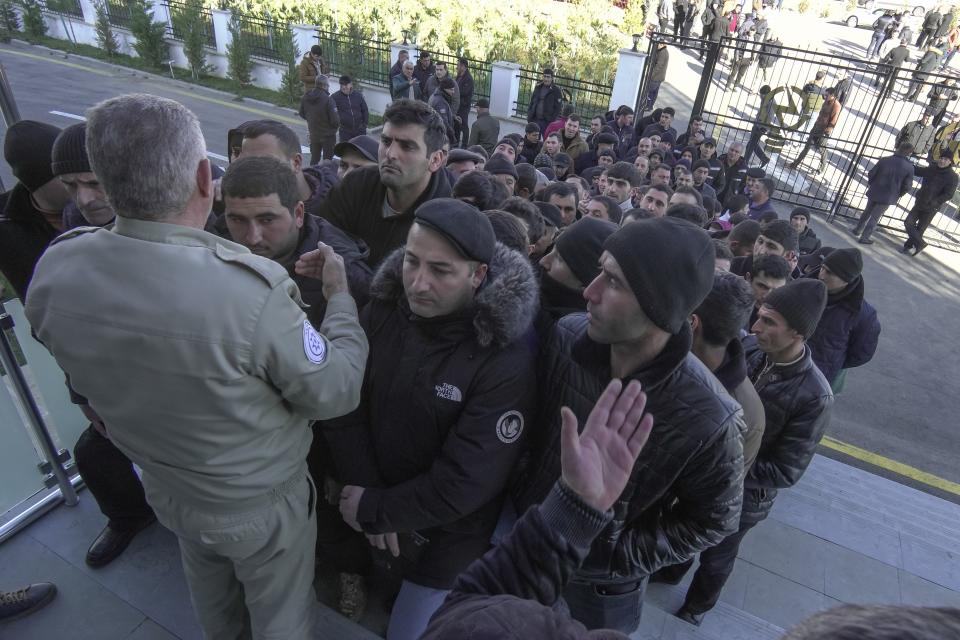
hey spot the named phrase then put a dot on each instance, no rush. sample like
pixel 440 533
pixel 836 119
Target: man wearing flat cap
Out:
pixel 447 403
pixel 358 152
pixel 687 486
pixel 797 402
pixel 461 161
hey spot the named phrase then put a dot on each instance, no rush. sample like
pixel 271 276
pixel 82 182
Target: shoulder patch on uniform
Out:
pixel 510 426
pixel 267 269
pixel 314 346
pixel 73 233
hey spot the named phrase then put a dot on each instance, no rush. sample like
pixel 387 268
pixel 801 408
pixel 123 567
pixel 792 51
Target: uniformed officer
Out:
pixel 199 359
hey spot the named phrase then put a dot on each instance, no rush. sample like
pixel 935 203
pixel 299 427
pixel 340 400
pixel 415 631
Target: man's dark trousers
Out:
pixel 109 475
pixel 322 148
pixel 869 219
pixel 916 224
pixel 716 565
pixel 462 128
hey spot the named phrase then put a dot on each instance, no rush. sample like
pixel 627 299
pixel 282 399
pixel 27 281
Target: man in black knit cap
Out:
pixel 797 402
pixel 106 470
pixel 569 268
pixel 30 213
pixel 685 492
pixel 777 238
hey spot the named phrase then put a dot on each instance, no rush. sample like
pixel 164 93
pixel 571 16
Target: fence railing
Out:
pixel 367 61
pixel 263 38
pixel 119 13
pixel 69 8
pixel 588 98
pixel 175 8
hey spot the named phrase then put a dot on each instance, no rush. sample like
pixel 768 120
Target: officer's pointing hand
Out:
pixel 324 264
pixel 596 464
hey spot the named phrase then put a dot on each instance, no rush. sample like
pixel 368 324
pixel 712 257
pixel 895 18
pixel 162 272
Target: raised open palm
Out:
pixel 597 463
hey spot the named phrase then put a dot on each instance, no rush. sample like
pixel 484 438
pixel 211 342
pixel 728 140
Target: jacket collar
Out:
pixel 596 357
pixel 171 234
pixel 503 307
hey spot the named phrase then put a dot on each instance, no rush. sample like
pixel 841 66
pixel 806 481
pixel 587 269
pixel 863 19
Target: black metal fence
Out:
pixel 365 60
pixel 119 13
pixel 176 8
pixel 69 8
pixel 873 112
pixel 263 38
pixel 588 98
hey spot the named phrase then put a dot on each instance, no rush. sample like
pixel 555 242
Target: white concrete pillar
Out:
pixel 626 83
pixel 304 36
pixel 221 29
pixel 89 11
pixel 504 88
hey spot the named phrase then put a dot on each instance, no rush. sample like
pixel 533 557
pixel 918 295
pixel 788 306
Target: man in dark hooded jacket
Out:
pixel 447 401
pixel 545 102
pixel 320 112
pixel 939 186
pixel 685 491
pixel 849 330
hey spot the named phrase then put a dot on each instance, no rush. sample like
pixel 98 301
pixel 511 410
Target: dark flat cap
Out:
pixel 605 138
pixel 756 172
pixel 462 224
pixel 366 146
pixel 460 155
pixel 551 214
pixel 562 160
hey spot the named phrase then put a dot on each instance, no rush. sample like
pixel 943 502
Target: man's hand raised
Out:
pixel 597 463
pixel 325 265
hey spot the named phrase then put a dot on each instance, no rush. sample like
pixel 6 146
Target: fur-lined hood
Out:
pixel 504 306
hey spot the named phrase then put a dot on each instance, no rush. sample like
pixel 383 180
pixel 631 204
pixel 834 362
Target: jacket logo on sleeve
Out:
pixel 449 392
pixel 510 426
pixel 313 345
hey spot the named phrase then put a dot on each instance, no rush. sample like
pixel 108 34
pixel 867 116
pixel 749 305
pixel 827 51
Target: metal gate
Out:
pixel 873 112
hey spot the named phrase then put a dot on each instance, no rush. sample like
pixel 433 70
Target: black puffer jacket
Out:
pixel 938 186
pixel 446 405
pixel 687 485
pixel 798 403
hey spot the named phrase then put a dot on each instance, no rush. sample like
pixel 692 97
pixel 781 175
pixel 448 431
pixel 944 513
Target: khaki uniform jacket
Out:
pixel 197 355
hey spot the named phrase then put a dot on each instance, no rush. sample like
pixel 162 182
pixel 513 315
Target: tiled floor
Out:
pixel 815 551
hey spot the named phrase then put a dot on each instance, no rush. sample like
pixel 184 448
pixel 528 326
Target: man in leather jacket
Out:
pixel 797 402
pixel 685 492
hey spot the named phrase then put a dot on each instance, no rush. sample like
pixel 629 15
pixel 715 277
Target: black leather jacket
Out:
pixel 798 403
pixel 687 485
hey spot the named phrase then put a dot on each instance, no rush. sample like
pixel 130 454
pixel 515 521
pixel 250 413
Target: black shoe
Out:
pixel 696 619
pixel 865 241
pixel 856 231
pixel 916 250
pixel 111 543
pixel 16 604
pixel 904 249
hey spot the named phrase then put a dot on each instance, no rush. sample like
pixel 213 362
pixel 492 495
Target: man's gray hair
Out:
pixel 408 63
pixel 145 150
pixel 321 82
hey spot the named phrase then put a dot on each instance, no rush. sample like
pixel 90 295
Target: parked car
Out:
pixel 864 16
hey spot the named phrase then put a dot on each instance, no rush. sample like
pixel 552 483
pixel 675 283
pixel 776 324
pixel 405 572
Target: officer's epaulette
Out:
pixel 271 271
pixel 73 233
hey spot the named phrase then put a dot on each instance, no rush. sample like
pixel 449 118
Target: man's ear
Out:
pixel 297 162
pixel 748 276
pixel 694 322
pixel 479 275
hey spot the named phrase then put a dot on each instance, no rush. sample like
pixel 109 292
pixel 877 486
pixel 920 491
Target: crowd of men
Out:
pixel 276 428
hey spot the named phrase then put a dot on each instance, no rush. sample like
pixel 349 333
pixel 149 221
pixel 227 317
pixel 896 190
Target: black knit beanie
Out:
pixel 846 264
pixel 27 150
pixel 801 303
pixel 581 244
pixel 70 151
pixel 669 264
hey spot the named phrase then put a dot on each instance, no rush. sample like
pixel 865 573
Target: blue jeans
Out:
pixel 414 607
pixel 653 89
pixel 873 49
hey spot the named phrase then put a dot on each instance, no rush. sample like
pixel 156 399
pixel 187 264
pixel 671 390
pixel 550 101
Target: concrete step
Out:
pixel 836 486
pixel 724 622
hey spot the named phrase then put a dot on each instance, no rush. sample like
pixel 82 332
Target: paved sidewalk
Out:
pixel 841 535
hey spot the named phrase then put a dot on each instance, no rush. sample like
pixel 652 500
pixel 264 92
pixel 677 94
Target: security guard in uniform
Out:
pixel 200 361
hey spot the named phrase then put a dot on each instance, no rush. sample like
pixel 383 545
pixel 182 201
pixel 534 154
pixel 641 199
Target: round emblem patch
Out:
pixel 313 345
pixel 510 426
